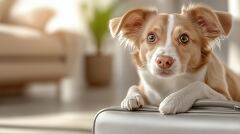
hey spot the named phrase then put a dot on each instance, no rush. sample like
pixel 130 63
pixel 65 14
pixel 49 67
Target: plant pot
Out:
pixel 98 69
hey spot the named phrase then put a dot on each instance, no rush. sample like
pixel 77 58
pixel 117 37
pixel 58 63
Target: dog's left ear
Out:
pixel 212 23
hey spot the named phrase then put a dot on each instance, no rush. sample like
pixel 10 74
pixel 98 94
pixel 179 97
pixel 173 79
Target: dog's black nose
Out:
pixel 164 62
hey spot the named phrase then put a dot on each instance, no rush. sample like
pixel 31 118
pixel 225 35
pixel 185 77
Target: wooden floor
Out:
pixel 42 113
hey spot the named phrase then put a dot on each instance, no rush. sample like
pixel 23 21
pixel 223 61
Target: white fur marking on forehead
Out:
pixel 168 49
pixel 169 30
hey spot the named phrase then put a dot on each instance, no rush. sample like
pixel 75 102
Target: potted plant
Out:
pixel 98 66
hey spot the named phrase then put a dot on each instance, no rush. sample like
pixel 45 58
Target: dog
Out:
pixel 174 58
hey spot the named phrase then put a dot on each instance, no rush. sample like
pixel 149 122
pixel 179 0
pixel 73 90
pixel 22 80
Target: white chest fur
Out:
pixel 157 88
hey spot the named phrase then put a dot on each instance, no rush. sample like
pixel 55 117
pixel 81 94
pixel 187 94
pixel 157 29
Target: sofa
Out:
pixel 38 40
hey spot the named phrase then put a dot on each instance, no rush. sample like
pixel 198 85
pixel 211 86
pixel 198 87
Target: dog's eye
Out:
pixel 151 38
pixel 183 38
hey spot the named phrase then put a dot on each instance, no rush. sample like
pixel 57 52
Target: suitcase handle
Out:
pixel 217 103
pixel 204 103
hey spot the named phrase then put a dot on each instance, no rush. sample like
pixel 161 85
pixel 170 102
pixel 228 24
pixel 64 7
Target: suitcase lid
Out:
pixel 201 107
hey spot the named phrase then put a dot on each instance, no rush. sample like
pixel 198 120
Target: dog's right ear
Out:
pixel 130 24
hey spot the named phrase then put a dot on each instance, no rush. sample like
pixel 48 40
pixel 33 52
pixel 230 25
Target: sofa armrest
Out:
pixel 72 43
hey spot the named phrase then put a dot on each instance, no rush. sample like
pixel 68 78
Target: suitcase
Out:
pixel 205 117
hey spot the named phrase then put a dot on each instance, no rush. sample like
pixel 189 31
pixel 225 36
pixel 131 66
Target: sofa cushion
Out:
pixel 18 41
pixel 35 18
pixel 5 6
pixel 32 13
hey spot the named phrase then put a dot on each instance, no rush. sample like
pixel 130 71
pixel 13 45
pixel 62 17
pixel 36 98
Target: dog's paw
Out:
pixel 175 103
pixel 132 102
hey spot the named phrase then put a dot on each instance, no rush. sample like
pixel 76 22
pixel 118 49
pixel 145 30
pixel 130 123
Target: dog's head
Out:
pixel 170 44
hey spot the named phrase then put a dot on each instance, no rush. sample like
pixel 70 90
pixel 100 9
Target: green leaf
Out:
pixel 98 25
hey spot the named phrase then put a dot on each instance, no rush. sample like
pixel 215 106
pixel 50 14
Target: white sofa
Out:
pixel 38 40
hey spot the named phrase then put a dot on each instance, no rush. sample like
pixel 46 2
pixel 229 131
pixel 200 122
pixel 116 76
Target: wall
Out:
pixel 234 45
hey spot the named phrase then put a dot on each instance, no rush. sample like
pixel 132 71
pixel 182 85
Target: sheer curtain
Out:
pixel 234 38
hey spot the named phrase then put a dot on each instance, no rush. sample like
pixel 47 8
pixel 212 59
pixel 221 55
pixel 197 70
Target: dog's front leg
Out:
pixel 182 100
pixel 133 100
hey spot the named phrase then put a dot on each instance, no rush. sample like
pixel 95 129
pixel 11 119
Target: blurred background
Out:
pixel 59 65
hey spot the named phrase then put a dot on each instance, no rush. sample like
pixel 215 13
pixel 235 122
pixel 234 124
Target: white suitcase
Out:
pixel 206 117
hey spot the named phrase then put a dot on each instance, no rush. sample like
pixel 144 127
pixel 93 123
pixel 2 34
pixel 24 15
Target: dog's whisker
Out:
pixel 123 41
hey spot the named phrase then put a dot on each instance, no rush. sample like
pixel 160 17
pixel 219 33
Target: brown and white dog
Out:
pixel 174 58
